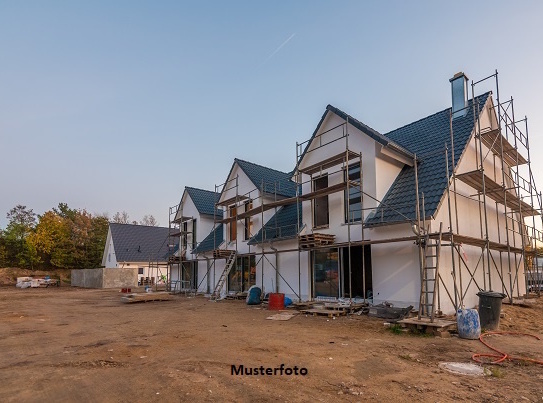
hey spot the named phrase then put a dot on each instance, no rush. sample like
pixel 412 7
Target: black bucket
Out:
pixel 490 306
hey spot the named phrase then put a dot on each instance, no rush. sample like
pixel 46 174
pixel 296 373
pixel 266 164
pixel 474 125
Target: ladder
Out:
pixel 230 261
pixel 430 275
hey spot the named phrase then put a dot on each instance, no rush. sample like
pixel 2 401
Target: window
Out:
pixel 140 270
pixel 320 204
pixel 353 196
pixel 109 257
pixel 194 233
pixel 248 221
pixel 233 223
pixel 243 274
pixel 184 231
pixel 326 273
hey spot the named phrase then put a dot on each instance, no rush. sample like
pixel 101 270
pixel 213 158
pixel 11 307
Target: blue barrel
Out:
pixel 469 326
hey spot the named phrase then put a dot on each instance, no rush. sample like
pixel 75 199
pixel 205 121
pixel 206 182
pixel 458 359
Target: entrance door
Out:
pixel 326 273
pixel 243 274
pixel 357 271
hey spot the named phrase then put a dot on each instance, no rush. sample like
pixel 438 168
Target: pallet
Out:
pixel 344 307
pixel 437 323
pixel 439 327
pixel 146 297
pixel 315 240
pixel 222 253
pixel 324 312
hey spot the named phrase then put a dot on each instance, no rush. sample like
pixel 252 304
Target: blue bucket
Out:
pixel 468 324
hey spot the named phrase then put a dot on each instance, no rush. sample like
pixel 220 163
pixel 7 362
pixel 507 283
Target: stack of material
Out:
pixel 315 240
pixel 146 297
pixel 222 253
pixel 24 282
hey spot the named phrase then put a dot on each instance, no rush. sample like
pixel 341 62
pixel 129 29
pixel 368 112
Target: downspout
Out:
pixel 276 267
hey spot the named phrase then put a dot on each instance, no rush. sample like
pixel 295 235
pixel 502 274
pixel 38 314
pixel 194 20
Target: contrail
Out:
pixel 279 48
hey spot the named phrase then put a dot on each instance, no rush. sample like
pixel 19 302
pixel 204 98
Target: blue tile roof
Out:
pixel 204 200
pixel 272 179
pixel 374 134
pixel 281 226
pixel 139 243
pixel 426 138
pixel 212 241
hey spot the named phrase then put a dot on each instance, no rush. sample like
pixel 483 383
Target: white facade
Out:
pixel 392 269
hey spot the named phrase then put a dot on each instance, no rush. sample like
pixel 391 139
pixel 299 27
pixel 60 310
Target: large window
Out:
pixel 326 273
pixel 233 224
pixel 248 221
pixel 194 242
pixel 184 235
pixel 320 204
pixel 353 196
pixel 243 274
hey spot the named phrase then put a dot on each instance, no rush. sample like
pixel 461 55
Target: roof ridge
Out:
pixel 137 225
pixel 203 190
pixel 429 116
pixel 262 166
pixel 352 117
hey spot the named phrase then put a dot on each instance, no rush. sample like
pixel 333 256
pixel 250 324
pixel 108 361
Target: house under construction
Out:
pixel 425 215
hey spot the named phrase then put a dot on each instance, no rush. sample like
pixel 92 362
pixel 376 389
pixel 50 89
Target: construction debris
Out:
pixel 146 297
pixel 31 282
pixel 282 316
pixel 387 311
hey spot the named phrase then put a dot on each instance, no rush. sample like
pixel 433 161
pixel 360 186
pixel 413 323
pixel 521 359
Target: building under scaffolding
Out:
pixel 427 214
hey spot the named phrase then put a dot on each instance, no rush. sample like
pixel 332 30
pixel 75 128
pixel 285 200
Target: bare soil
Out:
pixel 69 344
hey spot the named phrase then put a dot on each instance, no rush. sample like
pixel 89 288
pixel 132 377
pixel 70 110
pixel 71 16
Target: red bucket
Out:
pixel 276 301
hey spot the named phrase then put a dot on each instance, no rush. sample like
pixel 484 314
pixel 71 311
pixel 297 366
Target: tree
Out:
pixel 51 239
pixel 121 218
pixel 149 220
pixel 64 211
pixel 21 224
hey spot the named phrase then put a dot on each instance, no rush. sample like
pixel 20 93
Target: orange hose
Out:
pixel 503 356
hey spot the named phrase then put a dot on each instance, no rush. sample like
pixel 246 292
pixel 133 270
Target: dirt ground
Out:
pixel 69 344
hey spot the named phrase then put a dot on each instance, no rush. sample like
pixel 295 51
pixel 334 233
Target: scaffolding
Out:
pixel 502 185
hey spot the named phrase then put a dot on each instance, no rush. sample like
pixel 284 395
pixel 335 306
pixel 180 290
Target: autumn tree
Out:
pixel 52 239
pixel 62 238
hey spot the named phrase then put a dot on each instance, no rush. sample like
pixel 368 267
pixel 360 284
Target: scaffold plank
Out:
pixel 496 192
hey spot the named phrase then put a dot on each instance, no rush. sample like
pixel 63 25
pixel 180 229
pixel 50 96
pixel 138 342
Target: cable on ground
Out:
pixel 501 356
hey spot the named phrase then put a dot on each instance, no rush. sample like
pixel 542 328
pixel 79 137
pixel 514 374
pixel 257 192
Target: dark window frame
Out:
pixel 321 206
pixel 354 197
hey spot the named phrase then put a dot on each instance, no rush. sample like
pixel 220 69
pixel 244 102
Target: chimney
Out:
pixel 459 91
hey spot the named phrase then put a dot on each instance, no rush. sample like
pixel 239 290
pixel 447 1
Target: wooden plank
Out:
pixel 437 323
pixel 331 161
pixel 146 297
pixel 491 139
pixel 496 192
pixel 222 253
pixel 323 312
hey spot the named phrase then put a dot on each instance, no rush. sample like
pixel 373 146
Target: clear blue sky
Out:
pixel 118 105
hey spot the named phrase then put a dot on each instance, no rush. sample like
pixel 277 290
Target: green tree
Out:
pixel 22 222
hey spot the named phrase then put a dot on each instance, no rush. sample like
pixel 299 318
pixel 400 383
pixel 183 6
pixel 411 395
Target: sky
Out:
pixel 118 105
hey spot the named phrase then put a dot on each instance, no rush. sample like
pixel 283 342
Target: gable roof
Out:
pixel 212 241
pixel 271 180
pixel 427 138
pixel 372 133
pixel 139 243
pixel 204 200
pixel 283 225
